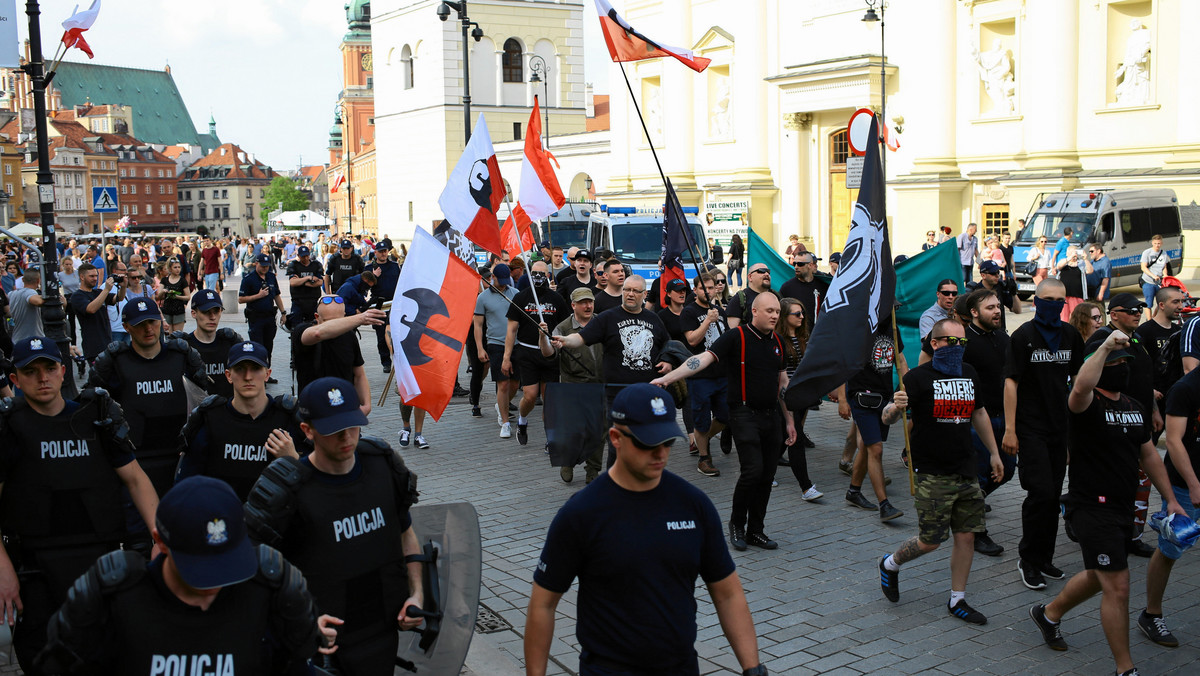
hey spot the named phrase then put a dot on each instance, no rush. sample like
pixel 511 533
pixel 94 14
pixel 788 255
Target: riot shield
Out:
pixel 450 543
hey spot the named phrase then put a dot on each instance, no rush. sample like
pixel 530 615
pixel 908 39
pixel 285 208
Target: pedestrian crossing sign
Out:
pixel 104 200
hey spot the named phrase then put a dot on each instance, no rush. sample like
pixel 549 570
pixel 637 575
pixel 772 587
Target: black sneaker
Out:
pixel 387 368
pixel 761 540
pixel 726 442
pixel 1051 633
pixel 1051 571
pixel 887 512
pixel 1139 548
pixel 522 434
pixel 845 467
pixel 889 582
pixel 859 500
pixel 1030 576
pixel 460 392
pixel 737 537
pixel 1155 629
pixel 965 612
pixel 476 412
pixel 783 460
pixel 808 442
pixel 986 546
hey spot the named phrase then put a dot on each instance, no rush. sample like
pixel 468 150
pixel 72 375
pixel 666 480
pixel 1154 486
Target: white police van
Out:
pixel 566 227
pixel 1122 221
pixel 635 236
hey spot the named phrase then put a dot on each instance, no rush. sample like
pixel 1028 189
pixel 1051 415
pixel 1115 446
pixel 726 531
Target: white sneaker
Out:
pixel 774 484
pixel 812 494
pixel 419 439
pixel 506 431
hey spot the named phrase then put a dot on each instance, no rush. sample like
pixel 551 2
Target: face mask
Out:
pixel 1114 378
pixel 540 279
pixel 948 359
pixel 1047 312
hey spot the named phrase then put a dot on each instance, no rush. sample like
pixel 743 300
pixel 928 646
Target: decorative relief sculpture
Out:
pixel 995 69
pixel 1133 73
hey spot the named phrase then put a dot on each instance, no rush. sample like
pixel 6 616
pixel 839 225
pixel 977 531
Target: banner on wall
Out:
pixel 725 218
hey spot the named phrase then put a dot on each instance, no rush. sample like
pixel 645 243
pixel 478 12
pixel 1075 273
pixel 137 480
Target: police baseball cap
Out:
pixel 140 310
pixel 303 251
pixel 1127 301
pixel 32 348
pixel 989 268
pixel 262 259
pixel 202 522
pixel 503 274
pixel 649 413
pixel 1097 340
pixel 205 300
pixel 382 246
pixel 346 244
pixel 331 405
pixel 248 351
pixel 582 293
pixel 677 285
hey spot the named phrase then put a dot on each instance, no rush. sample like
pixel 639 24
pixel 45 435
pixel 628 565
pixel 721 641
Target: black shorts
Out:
pixel 496 359
pixel 1104 536
pixel 533 368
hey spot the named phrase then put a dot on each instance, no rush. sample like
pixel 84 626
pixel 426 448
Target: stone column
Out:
pixel 934 131
pixel 793 174
pixel 1048 73
pixel 749 91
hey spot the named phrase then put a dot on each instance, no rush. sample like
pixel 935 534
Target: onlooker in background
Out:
pixel 737 260
pixel 968 250
pixel 944 234
pixel 87 303
pixel 835 261
pixel 1074 277
pixel 210 260
pixel 24 306
pixel 173 295
pixel 8 281
pixel 794 246
pixel 1099 273
pixel 68 279
pixel 1040 255
pixel 1155 263
pixel 1086 318
pixel 1007 249
pixel 929 241
pixel 1060 247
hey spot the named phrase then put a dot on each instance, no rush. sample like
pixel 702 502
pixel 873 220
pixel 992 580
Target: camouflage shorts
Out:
pixel 947 503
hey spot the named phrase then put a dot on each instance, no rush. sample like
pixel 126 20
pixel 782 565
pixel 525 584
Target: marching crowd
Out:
pixel 176 452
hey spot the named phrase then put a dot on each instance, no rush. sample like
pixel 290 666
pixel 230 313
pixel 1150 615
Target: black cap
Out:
pixel 649 413
pixel 331 405
pixel 582 253
pixel 262 259
pixel 677 285
pixel 346 244
pixel 248 351
pixel 140 310
pixel 382 246
pixel 203 524
pixel 989 268
pixel 835 257
pixel 205 300
pixel 303 251
pixel 544 245
pixel 1126 300
pixel 33 348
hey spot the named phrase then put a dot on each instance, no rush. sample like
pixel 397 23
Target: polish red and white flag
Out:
pixel 431 314
pixel 626 44
pixel 76 24
pixel 473 193
pixel 339 179
pixel 517 235
pixel 539 194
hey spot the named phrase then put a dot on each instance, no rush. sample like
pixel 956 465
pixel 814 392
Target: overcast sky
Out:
pixel 268 70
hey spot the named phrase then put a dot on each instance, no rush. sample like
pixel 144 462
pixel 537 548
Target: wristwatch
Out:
pixel 760 670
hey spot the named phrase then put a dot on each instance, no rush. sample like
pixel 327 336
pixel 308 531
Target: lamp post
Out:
pixel 871 17
pixel 443 12
pixel 362 213
pixel 540 72
pixel 339 111
pixel 302 219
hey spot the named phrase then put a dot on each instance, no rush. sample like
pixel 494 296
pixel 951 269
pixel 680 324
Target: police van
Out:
pixel 1122 221
pixel 635 236
pixel 566 227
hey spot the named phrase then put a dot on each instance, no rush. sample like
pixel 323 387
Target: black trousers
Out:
pixel 1042 460
pixel 758 435
pixel 385 355
pixel 303 310
pixel 368 657
pixel 478 371
pixel 262 331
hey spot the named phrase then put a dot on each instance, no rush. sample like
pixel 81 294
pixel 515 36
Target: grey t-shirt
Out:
pixel 27 319
pixel 69 282
pixel 1156 262
pixel 494 308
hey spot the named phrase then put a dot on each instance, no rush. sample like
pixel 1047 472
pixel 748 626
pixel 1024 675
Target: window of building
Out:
pixel 78 202
pixel 149 209
pixel 146 173
pixel 78 180
pixel 249 194
pixel 8 189
pixel 203 213
pixel 261 193
pixel 224 194
pixel 135 213
pixel 406 60
pixel 147 188
pixel 201 194
pixel 995 219
pixel 839 148
pixel 162 189
pixel 170 189
pixel 162 209
pixel 171 209
pixel 160 173
pixel 122 173
pixel 124 189
pixel 225 212
pixel 513 71
pixel 516 131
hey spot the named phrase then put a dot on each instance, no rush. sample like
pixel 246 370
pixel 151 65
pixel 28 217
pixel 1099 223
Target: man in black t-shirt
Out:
pixel 582 263
pixel 87 304
pixel 758 280
pixel 753 358
pixel 806 286
pixel 1110 434
pixel 305 277
pixel 610 296
pixel 329 347
pixel 637 538
pixel 1042 355
pixel 1154 333
pixel 702 325
pixel 521 342
pixel 943 395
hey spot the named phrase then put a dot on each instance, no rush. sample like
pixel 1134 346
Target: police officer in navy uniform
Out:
pixel 235 439
pixel 340 514
pixel 146 376
pixel 211 603
pixel 387 273
pixel 260 293
pixel 306 279
pixel 210 340
pixel 62 466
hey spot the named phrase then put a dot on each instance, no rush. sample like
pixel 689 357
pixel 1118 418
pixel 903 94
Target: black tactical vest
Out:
pixel 214 355
pixel 151 392
pixel 235 452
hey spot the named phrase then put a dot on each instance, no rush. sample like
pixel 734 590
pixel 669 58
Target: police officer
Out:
pixel 306 279
pixel 211 342
pixel 235 439
pixel 146 376
pixel 342 266
pixel 260 293
pixel 387 273
pixel 341 515
pixel 62 466
pixel 211 603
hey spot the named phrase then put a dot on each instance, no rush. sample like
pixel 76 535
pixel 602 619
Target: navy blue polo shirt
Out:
pixel 252 283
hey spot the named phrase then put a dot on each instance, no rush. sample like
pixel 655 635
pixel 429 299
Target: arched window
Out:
pixel 513 70
pixel 839 150
pixel 406 60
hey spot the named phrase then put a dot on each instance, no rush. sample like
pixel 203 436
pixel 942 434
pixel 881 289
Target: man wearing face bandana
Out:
pixel 944 395
pixel 545 307
pixel 1042 354
pixel 1110 434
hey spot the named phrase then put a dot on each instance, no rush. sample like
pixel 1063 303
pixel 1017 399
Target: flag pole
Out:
pixel 912 481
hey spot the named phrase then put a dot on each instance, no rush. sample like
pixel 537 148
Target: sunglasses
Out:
pixel 796 314
pixel 720 280
pixel 948 293
pixel 643 447
pixel 761 270
pixel 332 299
pixel 951 340
pixel 1132 312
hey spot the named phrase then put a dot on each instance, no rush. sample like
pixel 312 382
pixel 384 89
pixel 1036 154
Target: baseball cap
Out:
pixel 262 259
pixel 346 244
pixel 248 351
pixel 140 310
pixel 34 347
pixel 989 267
pixel 485 272
pixel 582 253
pixel 582 293
pixel 677 285
pixel 331 405
pixel 382 246
pixel 544 245
pixel 503 274
pixel 202 522
pixel 649 413
pixel 835 257
pixel 1097 340
pixel 205 300
pixel 1126 300
pixel 303 251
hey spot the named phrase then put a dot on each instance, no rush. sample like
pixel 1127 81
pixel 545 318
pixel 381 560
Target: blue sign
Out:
pixel 104 200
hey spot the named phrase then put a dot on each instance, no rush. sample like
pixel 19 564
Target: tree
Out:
pixel 282 189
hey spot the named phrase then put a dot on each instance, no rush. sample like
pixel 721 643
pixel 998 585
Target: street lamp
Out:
pixel 339 117
pixel 362 212
pixel 443 12
pixel 540 72
pixel 872 17
pixel 302 219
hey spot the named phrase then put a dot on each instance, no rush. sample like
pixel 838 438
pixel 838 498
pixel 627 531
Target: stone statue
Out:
pixel 995 69
pixel 1133 73
pixel 719 123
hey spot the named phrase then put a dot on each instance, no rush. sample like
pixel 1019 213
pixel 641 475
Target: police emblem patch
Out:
pixel 335 397
pixel 142 307
pixel 216 532
pixel 658 406
pixel 35 344
pixel 247 347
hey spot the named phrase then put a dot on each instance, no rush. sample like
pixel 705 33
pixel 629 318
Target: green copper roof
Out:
pixel 159 114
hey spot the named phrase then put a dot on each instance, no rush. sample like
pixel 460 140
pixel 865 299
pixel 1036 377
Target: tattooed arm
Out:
pixel 692 366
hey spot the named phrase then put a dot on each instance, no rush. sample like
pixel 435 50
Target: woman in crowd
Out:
pixel 173 295
pixel 929 241
pixel 794 335
pixel 737 258
pixel 1086 318
pixel 1041 255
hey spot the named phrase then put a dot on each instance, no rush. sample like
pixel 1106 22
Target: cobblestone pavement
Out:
pixel 815 601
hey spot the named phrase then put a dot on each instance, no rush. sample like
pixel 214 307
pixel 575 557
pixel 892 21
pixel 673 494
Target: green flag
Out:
pixel 758 251
pixel 916 286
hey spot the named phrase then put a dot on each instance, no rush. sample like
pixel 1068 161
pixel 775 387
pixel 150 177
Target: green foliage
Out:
pixel 282 189
pixel 202 230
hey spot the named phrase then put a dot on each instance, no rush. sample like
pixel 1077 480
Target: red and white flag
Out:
pixel 889 137
pixel 539 194
pixel 626 44
pixel 516 235
pixel 431 314
pixel 76 24
pixel 473 193
pixel 339 179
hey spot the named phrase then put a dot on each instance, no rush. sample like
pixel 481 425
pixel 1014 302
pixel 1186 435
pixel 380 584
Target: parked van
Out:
pixel 635 236
pixel 1122 221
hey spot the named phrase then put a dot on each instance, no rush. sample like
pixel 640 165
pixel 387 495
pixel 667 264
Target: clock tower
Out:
pixel 352 137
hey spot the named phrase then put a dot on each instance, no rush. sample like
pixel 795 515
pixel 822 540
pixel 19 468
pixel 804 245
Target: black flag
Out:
pixel 859 299
pixel 674 243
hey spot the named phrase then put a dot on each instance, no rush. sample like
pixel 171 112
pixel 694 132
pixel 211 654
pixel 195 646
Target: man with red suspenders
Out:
pixel 753 356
